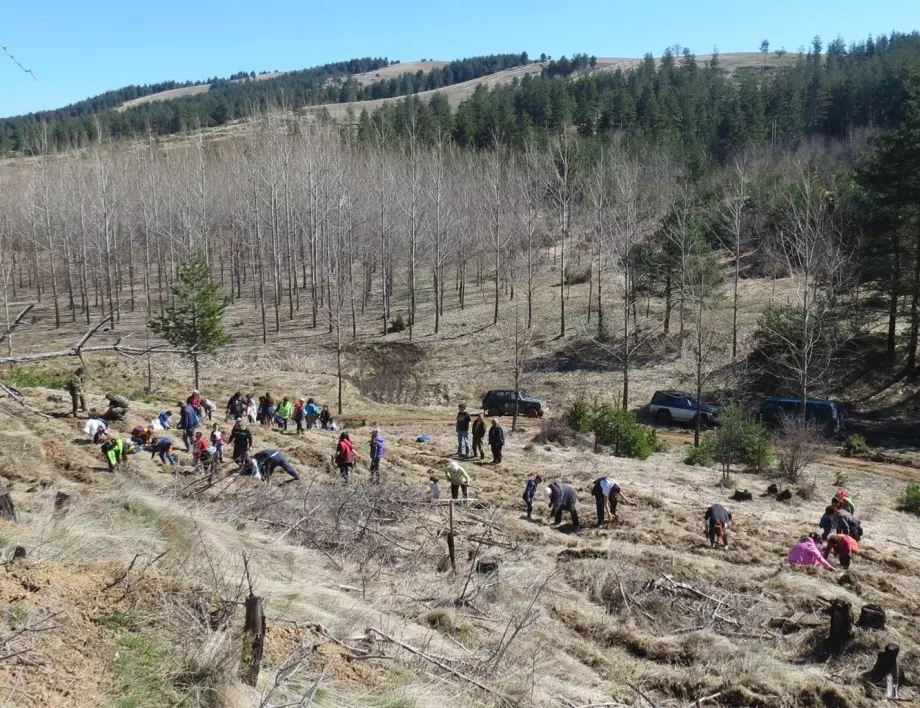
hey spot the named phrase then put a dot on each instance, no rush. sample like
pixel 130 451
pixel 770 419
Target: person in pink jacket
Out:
pixel 807 553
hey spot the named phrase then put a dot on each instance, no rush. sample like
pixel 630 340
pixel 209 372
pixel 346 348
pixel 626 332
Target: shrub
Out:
pixel 142 396
pixel 798 446
pixel 855 445
pixel 34 378
pixel 576 274
pixel 702 456
pixel 579 416
pixel 619 429
pixel 740 440
pixel 910 500
pixel 658 445
pixel 398 324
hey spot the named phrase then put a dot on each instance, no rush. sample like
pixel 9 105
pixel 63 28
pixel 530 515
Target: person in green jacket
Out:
pixel 114 453
pixel 75 389
pixel 459 478
pixel 285 409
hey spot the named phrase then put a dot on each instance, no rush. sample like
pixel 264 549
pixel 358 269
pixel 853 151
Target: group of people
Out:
pixel 841 533
pixel 266 411
pixel 495 435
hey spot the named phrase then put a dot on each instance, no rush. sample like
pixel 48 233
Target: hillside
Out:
pixel 137 579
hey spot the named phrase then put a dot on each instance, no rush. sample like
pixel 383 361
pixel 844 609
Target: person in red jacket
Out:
pixel 842 545
pixel 344 456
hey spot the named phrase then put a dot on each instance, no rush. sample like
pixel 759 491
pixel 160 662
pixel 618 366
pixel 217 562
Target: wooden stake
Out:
pixel 450 539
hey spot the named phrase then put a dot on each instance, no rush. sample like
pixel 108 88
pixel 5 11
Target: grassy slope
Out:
pixel 575 652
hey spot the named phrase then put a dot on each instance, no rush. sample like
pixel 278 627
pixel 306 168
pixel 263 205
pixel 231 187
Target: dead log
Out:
pixel 742 495
pixel 841 629
pixel 872 617
pixel 20 318
pixel 254 629
pixel 7 510
pixel 61 501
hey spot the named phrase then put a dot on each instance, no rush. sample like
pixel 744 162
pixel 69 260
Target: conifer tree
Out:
pixel 193 317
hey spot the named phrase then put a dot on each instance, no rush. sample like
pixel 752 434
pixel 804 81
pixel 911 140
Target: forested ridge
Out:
pixel 239 96
pixel 678 104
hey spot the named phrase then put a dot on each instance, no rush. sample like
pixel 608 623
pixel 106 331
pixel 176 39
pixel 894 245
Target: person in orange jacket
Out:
pixel 843 546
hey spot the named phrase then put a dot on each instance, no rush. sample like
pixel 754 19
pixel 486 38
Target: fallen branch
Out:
pixel 418 652
pixel 16 396
pixel 18 321
pixel 642 695
pixel 700 701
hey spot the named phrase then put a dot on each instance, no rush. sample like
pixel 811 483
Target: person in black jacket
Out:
pixel 496 441
pixel 479 433
pixel 241 439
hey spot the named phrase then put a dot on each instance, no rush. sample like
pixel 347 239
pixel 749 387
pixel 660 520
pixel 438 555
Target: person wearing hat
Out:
pixel 376 453
pixel 463 432
pixel 241 439
pixel 75 389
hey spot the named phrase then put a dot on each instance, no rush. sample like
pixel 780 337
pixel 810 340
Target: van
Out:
pixel 827 414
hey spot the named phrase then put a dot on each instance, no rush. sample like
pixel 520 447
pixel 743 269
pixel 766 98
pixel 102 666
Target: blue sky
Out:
pixel 79 49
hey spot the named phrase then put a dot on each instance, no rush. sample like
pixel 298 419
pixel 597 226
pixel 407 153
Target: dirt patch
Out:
pixel 390 372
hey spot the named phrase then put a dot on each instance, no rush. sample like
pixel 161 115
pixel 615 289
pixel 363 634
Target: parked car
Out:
pixel 679 407
pixel 827 414
pixel 502 402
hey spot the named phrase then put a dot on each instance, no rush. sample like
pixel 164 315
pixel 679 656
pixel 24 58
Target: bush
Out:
pixel 855 445
pixel 798 446
pixel 658 445
pixel 142 396
pixel 701 456
pixel 910 500
pixel 579 415
pixel 34 378
pixel 577 275
pixel 398 324
pixel 740 440
pixel 619 429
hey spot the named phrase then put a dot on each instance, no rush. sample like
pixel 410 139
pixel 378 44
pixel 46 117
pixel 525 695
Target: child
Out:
pixel 209 407
pixel 200 446
pixel 163 421
pixel 530 491
pixel 96 429
pixel 217 441
pixel 376 454
pixel 843 546
pixel 807 553
pixel 344 456
pixel 433 486
pixel 325 417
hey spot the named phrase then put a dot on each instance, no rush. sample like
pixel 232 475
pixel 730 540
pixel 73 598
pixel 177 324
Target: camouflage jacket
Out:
pixel 75 384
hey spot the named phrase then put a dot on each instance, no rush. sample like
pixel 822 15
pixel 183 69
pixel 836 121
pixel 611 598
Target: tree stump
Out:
pixel 487 565
pixel 886 670
pixel 7 510
pixel 254 629
pixel 872 617
pixel 772 489
pixel 841 629
pixel 742 495
pixel 61 501
pixel 784 495
pixel 19 553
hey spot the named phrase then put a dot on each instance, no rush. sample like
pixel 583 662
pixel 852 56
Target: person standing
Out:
pixel 563 497
pixel 298 415
pixel 463 432
pixel 236 406
pixel 217 441
pixel 75 389
pixel 285 408
pixel 433 488
pixel 188 422
pixel 194 400
pixel 530 491
pixel 479 433
pixel 459 479
pixel 376 454
pixel 344 456
pixel 241 439
pixel 717 519
pixel 311 414
pixel 607 493
pixel 325 418
pixel 252 409
pixel 496 441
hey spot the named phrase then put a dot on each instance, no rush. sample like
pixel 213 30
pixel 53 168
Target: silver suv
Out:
pixel 678 407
